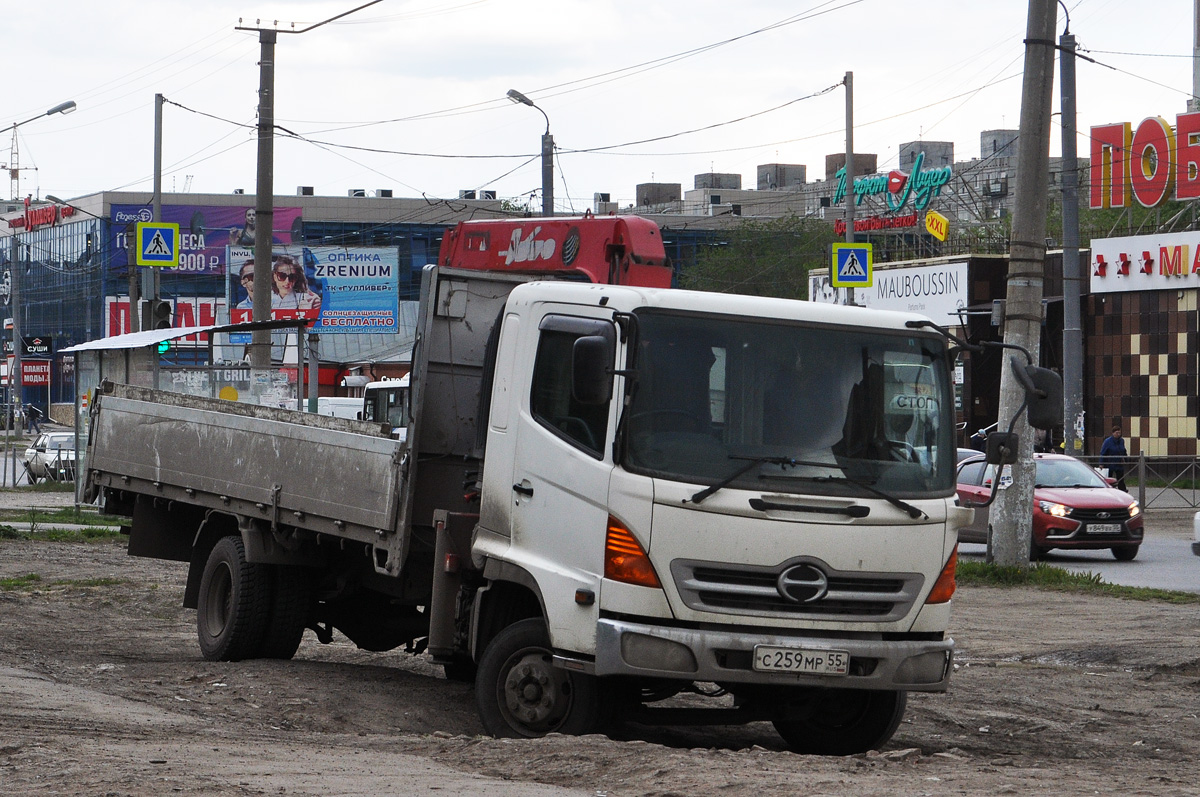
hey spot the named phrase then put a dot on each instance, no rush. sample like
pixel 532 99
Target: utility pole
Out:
pixel 153 284
pixel 1072 278
pixel 264 198
pixel 849 214
pixel 1012 518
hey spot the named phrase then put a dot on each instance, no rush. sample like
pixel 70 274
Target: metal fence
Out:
pixel 1161 482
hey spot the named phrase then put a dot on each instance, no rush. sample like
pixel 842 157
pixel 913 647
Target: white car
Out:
pixel 52 456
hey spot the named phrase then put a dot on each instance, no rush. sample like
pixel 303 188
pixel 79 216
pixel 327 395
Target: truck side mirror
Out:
pixel 591 369
pixel 1044 392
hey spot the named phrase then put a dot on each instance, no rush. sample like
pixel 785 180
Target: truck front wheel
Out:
pixel 234 603
pixel 520 693
pixel 843 722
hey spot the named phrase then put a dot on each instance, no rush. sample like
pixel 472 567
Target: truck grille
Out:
pixel 754 591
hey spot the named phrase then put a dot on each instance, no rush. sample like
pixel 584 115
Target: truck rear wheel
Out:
pixel 291 603
pixel 520 693
pixel 843 722
pixel 234 603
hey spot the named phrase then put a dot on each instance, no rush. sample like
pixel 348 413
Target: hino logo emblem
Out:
pixel 803 583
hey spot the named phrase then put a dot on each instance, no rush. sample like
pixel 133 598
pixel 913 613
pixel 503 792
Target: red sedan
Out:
pixel 1073 507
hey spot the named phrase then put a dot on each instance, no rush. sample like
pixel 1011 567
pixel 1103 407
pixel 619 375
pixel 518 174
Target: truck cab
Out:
pixel 761 496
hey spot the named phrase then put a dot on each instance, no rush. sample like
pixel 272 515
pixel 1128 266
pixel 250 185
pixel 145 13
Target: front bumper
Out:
pixel 725 655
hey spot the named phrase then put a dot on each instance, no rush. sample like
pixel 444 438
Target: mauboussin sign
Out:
pixel 937 292
pixel 205 233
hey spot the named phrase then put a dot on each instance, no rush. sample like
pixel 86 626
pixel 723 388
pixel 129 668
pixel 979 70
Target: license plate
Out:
pixel 768 658
pixel 1104 528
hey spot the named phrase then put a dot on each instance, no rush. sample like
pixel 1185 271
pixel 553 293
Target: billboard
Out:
pixel 345 290
pixel 937 292
pixel 206 233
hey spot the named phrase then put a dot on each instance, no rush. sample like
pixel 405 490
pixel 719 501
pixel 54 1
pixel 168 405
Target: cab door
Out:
pixel 562 466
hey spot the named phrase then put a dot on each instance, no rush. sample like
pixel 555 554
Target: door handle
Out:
pixel 526 491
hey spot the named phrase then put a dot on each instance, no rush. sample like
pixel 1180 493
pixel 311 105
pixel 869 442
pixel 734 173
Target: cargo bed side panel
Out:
pixel 322 472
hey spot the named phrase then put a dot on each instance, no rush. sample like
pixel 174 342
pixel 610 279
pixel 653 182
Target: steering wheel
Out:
pixel 909 454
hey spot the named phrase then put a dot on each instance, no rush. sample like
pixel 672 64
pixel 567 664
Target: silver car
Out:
pixel 52 457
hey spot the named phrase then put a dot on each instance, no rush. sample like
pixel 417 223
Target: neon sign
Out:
pixel 896 187
pixel 43 216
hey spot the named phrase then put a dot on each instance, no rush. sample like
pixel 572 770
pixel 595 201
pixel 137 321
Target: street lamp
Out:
pixel 547 155
pixel 13 166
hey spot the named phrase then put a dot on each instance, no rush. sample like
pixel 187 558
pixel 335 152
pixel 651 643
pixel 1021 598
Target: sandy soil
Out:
pixel 103 692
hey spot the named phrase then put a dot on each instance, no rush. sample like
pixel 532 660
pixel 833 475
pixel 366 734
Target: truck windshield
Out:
pixel 872 406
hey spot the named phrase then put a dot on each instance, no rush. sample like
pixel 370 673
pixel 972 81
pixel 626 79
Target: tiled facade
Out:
pixel 1142 369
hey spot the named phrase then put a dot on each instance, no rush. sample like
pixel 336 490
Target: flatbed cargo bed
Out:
pixel 326 475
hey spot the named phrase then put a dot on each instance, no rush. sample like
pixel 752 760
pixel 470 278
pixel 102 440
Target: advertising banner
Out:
pixel 345 290
pixel 35 373
pixel 934 291
pixel 194 311
pixel 205 233
pixel 1158 262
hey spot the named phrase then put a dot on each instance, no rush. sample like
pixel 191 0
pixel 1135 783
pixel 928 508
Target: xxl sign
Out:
pixel 1146 164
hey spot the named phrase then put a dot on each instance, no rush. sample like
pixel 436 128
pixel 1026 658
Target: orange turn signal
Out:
pixel 624 558
pixel 944 587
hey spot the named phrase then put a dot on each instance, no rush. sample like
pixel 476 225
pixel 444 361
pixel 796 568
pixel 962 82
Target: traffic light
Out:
pixel 156 314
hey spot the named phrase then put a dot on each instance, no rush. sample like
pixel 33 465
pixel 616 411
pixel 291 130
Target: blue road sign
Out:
pixel 157 244
pixel 852 266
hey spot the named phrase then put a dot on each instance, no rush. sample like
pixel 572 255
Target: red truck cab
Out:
pixel 615 250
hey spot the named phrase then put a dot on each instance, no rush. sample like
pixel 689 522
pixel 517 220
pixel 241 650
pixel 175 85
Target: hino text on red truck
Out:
pixel 610 492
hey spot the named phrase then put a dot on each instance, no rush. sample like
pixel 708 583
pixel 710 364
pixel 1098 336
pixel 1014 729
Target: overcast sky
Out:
pixel 419 87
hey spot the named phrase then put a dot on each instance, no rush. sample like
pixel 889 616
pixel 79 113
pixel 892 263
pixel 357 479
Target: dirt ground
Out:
pixel 103 692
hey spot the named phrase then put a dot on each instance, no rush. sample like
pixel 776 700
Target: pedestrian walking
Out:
pixel 33 419
pixel 1113 456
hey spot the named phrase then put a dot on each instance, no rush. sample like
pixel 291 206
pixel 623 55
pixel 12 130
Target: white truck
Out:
pixel 608 495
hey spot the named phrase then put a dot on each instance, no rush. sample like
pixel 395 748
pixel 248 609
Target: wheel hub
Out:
pixel 533 691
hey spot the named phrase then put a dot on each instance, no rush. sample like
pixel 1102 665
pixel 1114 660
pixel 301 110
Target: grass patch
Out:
pixel 19 582
pixel 67 514
pixel 61 535
pixel 34 581
pixel 43 487
pixel 1044 576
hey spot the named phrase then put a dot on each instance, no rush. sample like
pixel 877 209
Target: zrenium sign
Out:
pixel 896 187
pixel 1146 164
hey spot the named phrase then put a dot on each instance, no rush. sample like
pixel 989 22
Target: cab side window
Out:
pixel 551 400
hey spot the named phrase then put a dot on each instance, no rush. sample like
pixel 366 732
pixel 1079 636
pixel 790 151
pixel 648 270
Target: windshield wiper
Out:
pixel 913 512
pixel 751 462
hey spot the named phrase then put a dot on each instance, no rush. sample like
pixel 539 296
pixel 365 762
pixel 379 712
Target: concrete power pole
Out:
pixel 1012 517
pixel 849 215
pixel 264 200
pixel 1072 273
pixel 1194 102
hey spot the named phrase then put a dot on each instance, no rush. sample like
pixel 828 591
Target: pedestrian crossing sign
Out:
pixel 157 244
pixel 852 266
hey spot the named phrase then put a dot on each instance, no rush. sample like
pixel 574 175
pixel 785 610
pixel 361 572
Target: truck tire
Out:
pixel 291 603
pixel 520 693
pixel 234 603
pixel 843 722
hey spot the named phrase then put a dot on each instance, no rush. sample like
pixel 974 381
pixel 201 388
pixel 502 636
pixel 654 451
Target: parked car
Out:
pixel 1074 507
pixel 963 454
pixel 51 456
